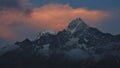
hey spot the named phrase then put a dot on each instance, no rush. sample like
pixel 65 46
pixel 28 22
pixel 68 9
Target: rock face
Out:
pixel 77 25
pixel 79 43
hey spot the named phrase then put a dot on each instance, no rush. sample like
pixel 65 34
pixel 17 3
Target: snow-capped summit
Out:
pixel 77 25
pixel 48 31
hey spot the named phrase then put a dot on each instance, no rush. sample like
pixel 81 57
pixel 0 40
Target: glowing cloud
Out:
pixel 58 16
pixel 52 16
pixel 5 33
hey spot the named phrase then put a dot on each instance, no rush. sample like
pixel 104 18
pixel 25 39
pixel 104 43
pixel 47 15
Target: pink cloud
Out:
pixel 52 16
pixel 57 17
pixel 6 33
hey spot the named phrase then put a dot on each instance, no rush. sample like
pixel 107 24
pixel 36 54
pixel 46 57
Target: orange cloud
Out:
pixel 58 16
pixel 52 16
pixel 6 33
pixel 10 20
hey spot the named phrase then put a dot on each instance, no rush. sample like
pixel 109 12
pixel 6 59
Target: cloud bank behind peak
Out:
pixel 13 23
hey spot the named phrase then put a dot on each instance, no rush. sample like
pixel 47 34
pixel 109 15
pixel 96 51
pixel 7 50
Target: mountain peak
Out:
pixel 48 31
pixel 77 25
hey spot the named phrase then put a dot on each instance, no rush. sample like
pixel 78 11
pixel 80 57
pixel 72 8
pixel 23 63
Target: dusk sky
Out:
pixel 21 19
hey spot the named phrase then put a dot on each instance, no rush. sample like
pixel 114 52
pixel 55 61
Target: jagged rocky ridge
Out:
pixel 78 44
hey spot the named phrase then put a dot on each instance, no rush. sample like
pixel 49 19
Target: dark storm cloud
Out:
pixel 14 4
pixel 8 4
pixel 23 6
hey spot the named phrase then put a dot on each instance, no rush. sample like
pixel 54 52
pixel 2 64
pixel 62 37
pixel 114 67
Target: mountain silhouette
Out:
pixel 79 45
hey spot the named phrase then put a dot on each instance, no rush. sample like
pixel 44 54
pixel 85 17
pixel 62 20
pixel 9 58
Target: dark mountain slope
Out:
pixel 77 46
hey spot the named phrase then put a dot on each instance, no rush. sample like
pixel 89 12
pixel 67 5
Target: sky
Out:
pixel 20 19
